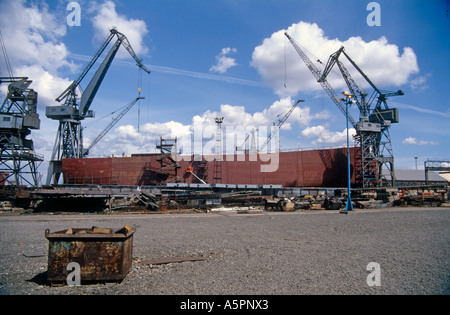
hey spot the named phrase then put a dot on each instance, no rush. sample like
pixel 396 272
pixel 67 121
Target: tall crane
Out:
pixel 376 145
pixel 279 125
pixel 372 131
pixel 69 138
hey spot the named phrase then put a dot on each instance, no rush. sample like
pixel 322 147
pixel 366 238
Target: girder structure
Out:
pixel 18 116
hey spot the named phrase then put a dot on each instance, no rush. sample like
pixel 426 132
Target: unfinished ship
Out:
pixel 309 168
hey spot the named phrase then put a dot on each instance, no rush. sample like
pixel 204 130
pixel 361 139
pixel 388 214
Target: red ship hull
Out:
pixel 314 168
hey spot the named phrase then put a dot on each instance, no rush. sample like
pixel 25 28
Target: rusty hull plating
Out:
pixel 310 168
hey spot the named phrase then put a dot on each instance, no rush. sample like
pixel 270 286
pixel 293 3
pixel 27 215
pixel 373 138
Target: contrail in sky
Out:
pixel 192 74
pixel 420 109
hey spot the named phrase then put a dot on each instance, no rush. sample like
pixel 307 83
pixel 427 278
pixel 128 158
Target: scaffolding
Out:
pixel 168 172
pixel 218 151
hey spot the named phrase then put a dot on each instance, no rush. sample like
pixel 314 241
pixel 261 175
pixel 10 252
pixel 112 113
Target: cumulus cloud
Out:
pixel 326 137
pixel 108 18
pixel 34 36
pixel 414 141
pixel 383 62
pixel 223 61
pixel 420 83
pixel 199 135
pixel 35 48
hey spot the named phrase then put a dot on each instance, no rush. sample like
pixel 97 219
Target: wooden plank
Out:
pixel 171 260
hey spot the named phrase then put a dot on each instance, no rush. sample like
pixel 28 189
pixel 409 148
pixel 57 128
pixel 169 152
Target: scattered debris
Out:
pixel 205 198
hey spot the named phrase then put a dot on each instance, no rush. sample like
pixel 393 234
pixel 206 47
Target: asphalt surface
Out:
pixel 261 253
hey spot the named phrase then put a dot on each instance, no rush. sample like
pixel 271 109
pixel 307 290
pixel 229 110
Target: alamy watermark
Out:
pixel 374 17
pixel 374 277
pixel 204 144
pixel 74 16
pixel 74 278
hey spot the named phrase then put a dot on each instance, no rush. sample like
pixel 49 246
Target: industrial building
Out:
pixel 414 178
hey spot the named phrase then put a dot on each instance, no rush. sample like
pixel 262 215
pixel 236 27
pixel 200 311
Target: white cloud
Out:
pixel 326 137
pixel 108 18
pixel 420 83
pixel 382 62
pixel 49 86
pixel 32 35
pixel 237 123
pixel 223 61
pixel 35 48
pixel 414 141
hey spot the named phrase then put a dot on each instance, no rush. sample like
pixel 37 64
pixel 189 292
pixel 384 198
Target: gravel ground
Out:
pixel 261 253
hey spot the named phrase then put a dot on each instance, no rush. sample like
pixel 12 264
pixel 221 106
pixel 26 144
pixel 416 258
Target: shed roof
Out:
pixel 417 176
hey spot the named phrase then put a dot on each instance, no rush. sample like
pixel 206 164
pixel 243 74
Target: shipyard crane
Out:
pixel 373 134
pixel 112 124
pixel 372 130
pixel 18 117
pixel 74 109
pixel 280 124
pixel 252 148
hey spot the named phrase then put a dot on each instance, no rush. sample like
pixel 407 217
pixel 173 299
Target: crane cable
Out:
pixel 5 55
pixel 285 64
pixel 139 103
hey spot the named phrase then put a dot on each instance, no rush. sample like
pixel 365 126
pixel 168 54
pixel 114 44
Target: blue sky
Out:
pixel 226 58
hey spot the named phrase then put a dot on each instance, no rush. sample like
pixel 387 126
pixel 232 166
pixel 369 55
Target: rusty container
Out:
pixel 103 254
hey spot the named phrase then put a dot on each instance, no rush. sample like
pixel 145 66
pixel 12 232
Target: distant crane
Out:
pixel 69 139
pixel 279 125
pixel 372 131
pixel 112 124
pixel 252 149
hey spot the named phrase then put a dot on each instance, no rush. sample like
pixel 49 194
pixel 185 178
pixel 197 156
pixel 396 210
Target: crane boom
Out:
pixel 69 94
pixel 71 88
pixel 324 83
pixel 359 96
pixel 280 124
pixel 112 124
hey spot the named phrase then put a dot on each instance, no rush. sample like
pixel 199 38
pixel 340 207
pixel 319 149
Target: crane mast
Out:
pixel 74 109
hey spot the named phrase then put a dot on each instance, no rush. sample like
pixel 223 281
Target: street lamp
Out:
pixel 348 101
